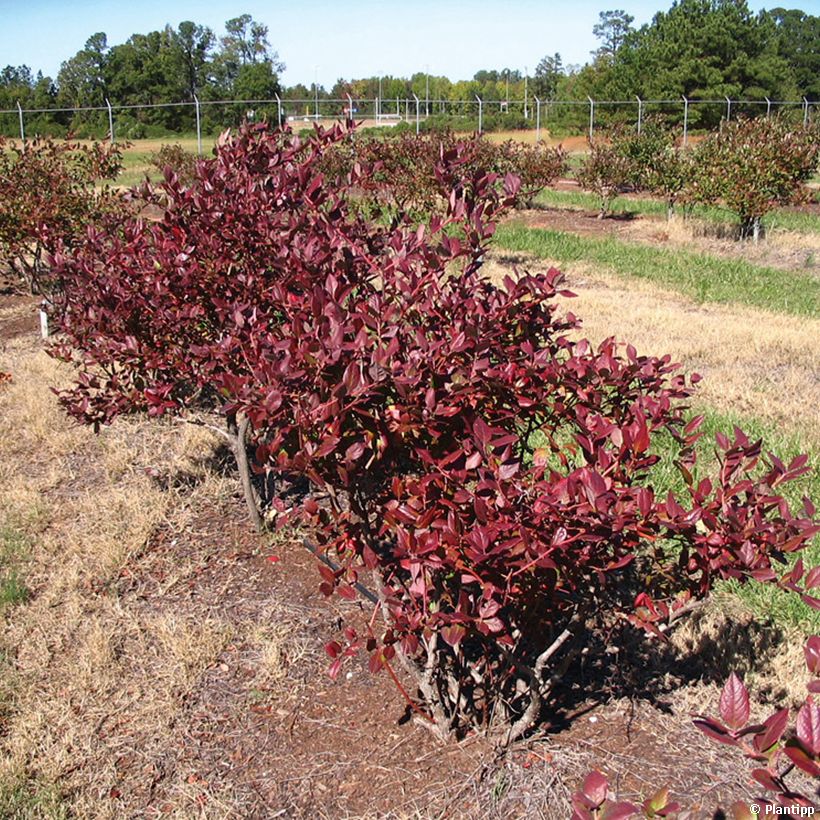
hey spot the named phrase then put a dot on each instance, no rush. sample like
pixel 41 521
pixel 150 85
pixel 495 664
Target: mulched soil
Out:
pixel 18 315
pixel 346 748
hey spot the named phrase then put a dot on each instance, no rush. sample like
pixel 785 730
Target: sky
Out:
pixel 322 40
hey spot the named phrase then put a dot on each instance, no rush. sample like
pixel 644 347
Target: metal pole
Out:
pixel 728 109
pixel 685 120
pixel 316 94
pixel 640 112
pixel 480 120
pixel 110 121
pixel 768 106
pixel 537 119
pixel 398 109
pixel 591 117
pixel 526 113
pixel 427 93
pixel 379 100
pixel 805 112
pixel 349 107
pixel 22 130
pixel 377 107
pixel 199 125
pixel 417 113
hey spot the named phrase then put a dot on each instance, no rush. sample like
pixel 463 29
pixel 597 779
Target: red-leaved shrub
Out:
pixel 486 474
pixel 48 195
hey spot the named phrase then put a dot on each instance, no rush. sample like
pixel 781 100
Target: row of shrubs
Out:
pixel 488 476
pixel 749 166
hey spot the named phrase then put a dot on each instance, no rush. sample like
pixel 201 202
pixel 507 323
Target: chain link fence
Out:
pixel 543 117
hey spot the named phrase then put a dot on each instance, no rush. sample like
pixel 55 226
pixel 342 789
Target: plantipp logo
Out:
pixel 770 810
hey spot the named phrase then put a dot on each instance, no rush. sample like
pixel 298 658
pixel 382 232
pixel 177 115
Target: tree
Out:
pixel 547 75
pixel 611 29
pixel 82 78
pixel 194 44
pixel 246 42
pixel 799 43
pixel 704 49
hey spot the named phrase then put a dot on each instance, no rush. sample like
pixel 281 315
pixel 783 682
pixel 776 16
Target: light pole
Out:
pixel 379 104
pixel 526 116
pixel 316 92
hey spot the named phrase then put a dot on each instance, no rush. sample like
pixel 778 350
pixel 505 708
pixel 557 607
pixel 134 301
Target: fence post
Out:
pixel 537 119
pixel 768 107
pixel 22 130
pixel 640 112
pixel 728 109
pixel 378 110
pixel 685 120
pixel 417 113
pixel 591 117
pixel 349 108
pixel 198 126
pixel 110 121
pixel 805 112
pixel 279 109
pixel 480 113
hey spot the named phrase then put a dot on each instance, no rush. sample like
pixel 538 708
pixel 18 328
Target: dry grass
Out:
pixel 97 677
pixel 753 363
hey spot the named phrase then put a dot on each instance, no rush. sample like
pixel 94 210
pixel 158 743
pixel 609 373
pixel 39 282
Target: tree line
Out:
pixel 701 49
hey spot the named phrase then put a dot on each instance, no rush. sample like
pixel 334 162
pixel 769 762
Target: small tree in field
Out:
pixel 658 164
pixel 49 195
pixel 606 172
pixel 487 474
pixel 753 166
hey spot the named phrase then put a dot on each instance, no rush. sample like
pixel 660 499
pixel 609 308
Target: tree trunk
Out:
pixel 240 436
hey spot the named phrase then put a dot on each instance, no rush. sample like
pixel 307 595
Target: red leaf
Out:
pixel 618 811
pixel 734 703
pixel 808 726
pixel 715 731
pixel 802 760
pixel 772 731
pixel 812 652
pixel 764 777
pixel 595 788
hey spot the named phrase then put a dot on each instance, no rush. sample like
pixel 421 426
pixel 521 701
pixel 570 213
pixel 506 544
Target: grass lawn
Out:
pixel 701 277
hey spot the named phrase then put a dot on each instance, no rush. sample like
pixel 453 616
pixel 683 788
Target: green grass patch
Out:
pixel 779 219
pixel 701 277
pixel 14 552
pixel 26 800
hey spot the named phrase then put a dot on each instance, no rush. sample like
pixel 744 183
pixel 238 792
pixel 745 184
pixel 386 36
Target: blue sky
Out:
pixel 357 38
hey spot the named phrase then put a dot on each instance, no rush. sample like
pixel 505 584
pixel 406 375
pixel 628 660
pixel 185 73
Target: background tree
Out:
pixel 194 44
pixel 798 42
pixel 611 29
pixel 548 73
